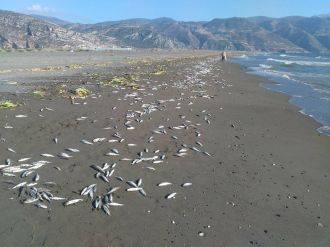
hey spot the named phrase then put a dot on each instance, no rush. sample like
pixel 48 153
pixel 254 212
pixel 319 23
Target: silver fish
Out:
pixel 73 150
pixel 115 204
pixel 64 155
pixel 19 185
pixel 105 208
pixel 99 140
pixel 11 150
pixel 86 142
pixel 30 200
pixel 170 196
pixel 23 159
pixel 164 184
pixel 56 198
pixel 133 189
pixel 132 183
pixel 41 205
pixel 71 202
pixel 47 155
pixel 112 190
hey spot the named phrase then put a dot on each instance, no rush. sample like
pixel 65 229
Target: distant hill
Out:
pixel 291 34
pixel 295 33
pixel 23 31
pixel 50 19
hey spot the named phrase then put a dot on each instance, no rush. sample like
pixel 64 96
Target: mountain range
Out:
pixel 290 34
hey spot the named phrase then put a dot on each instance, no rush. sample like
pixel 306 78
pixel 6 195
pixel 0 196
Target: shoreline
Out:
pixel 259 177
pixel 303 94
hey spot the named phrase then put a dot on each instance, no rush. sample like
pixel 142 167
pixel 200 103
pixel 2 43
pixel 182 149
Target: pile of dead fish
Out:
pixel 29 191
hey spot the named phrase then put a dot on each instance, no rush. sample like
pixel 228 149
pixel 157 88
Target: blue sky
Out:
pixel 91 11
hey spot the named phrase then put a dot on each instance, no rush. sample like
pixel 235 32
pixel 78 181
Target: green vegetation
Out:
pixel 126 80
pixel 81 92
pixel 39 93
pixel 7 104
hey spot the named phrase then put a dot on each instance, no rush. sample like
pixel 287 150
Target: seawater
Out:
pixel 304 77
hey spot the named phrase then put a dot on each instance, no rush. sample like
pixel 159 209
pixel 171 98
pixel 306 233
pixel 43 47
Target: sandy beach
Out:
pixel 257 171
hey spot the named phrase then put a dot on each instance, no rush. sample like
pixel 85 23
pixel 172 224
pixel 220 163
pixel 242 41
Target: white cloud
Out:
pixel 37 8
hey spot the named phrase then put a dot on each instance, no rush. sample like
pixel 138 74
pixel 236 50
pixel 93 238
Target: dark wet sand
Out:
pixel 266 183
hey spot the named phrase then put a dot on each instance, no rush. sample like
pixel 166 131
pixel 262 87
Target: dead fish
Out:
pixel 199 144
pixel 162 184
pixel 8 174
pixel 99 140
pixel 157 161
pixel 36 178
pixel 86 142
pixel 73 150
pixel 115 151
pixel 115 204
pixel 111 154
pixel 71 202
pixel 139 182
pixel 109 173
pixel 97 168
pixel 206 153
pixel 40 205
pixel 170 196
pixel 19 185
pixel 151 168
pixel 174 137
pixel 8 162
pixel 112 190
pixel 133 189
pixel 55 140
pixel 131 145
pixel 64 155
pixel 132 183
pixel 21 116
pixel 125 159
pixel 104 178
pixel 86 189
pixel 47 155
pixel 112 140
pixel 195 149
pixel 23 159
pixel 162 157
pixel 26 173
pixel 56 198
pixel 105 208
pixel 30 200
pixel 186 184
pixel 11 150
pixel 142 192
pixel 120 178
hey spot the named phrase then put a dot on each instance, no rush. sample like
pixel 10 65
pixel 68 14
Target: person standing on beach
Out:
pixel 223 56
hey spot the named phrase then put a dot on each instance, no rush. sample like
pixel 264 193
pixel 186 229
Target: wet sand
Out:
pixel 266 182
